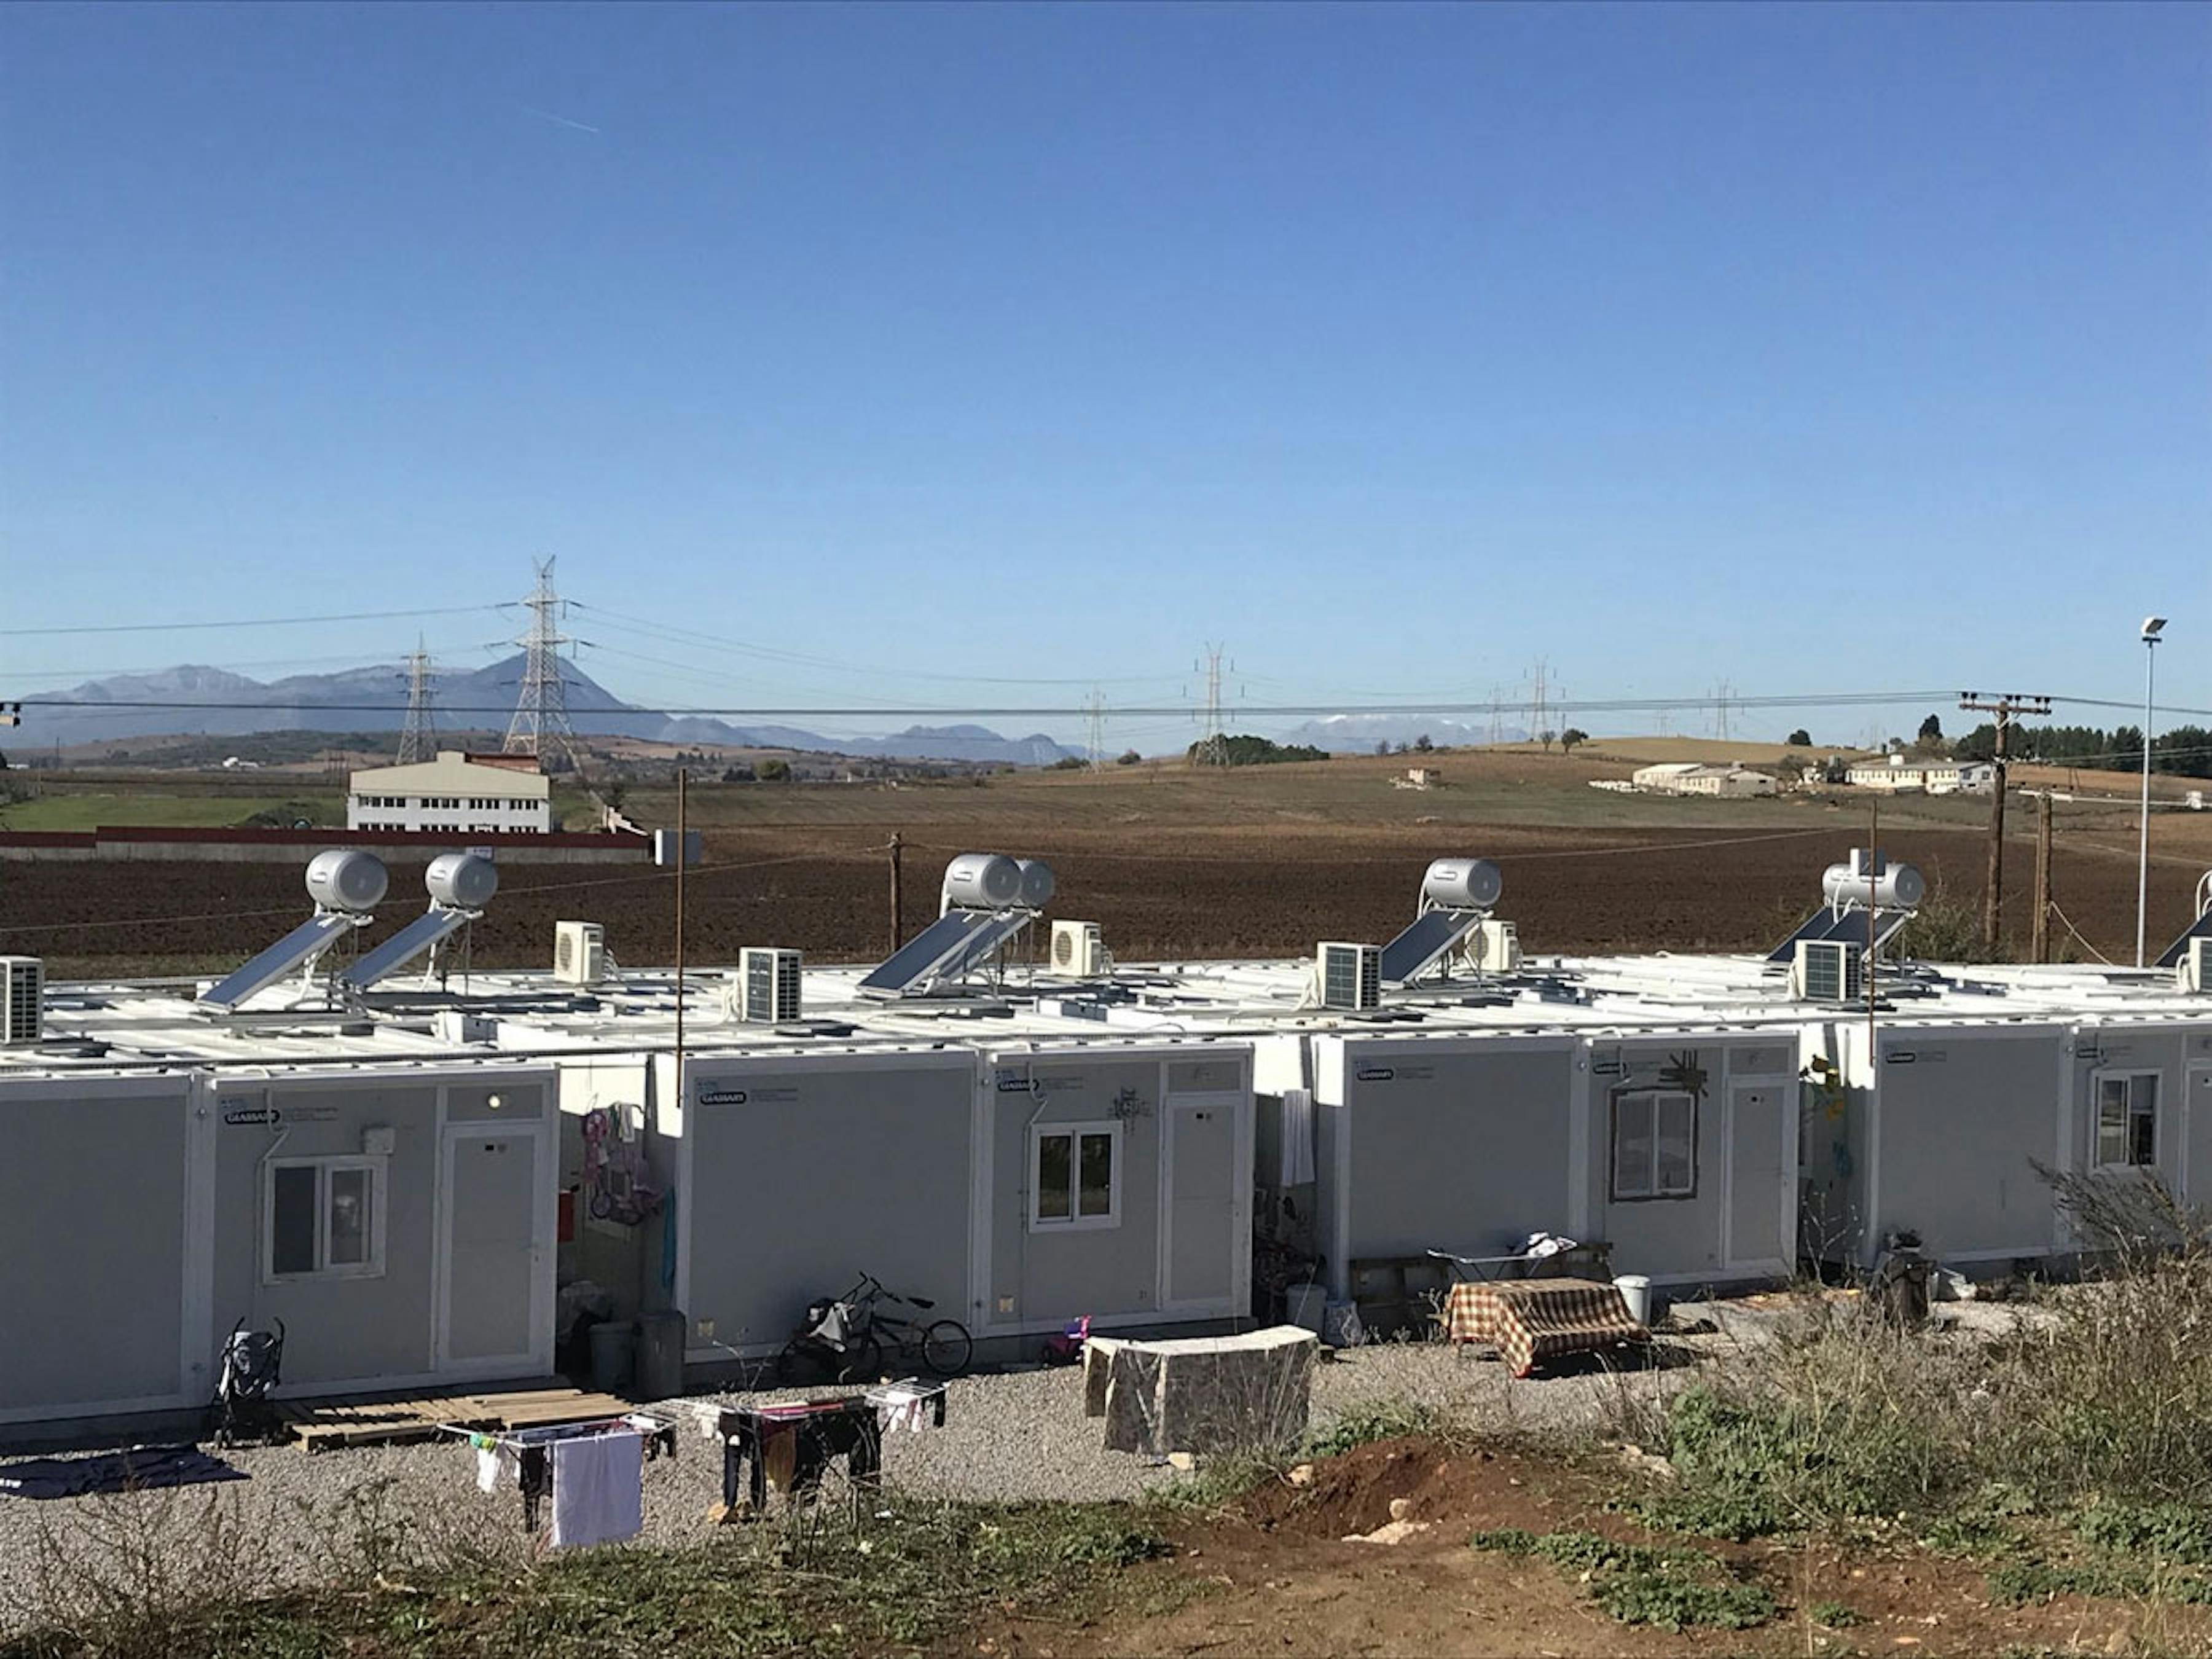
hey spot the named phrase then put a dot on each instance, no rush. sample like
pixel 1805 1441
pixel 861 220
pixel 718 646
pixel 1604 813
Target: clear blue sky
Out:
pixel 1398 347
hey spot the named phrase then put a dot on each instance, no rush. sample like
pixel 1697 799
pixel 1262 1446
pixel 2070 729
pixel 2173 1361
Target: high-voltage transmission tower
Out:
pixel 1213 741
pixel 418 737
pixel 541 713
pixel 1094 711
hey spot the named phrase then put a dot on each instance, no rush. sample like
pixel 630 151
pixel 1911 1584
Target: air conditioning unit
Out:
pixel 22 1000
pixel 1079 948
pixel 1494 948
pixel 1351 975
pixel 580 952
pixel 1828 971
pixel 767 985
pixel 2194 971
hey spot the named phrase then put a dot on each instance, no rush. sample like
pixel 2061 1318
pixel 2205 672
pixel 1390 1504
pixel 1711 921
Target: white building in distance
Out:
pixel 1934 776
pixel 1698 778
pixel 481 795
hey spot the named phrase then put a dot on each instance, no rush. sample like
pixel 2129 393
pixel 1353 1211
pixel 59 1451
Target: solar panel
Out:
pixel 300 946
pixel 2200 929
pixel 996 931
pixel 918 958
pixel 432 925
pixel 1850 928
pixel 1408 956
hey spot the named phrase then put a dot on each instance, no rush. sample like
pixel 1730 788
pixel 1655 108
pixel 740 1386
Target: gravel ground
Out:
pixel 304 1518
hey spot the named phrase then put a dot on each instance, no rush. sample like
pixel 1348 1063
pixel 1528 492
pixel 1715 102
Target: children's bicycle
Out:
pixel 846 1339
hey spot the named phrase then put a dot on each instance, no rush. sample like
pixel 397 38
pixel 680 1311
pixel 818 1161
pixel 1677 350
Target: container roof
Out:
pixel 525 1018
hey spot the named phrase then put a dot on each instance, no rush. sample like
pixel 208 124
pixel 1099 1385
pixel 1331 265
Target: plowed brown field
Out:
pixel 1231 890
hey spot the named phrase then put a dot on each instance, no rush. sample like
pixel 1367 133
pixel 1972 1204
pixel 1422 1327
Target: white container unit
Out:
pixel 398 1218
pixel 1939 1136
pixel 2142 1101
pixel 1115 1181
pixel 1679 1151
pixel 798 1170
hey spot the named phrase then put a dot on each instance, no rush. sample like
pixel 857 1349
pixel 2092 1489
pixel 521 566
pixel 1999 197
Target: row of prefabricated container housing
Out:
pixel 405 1178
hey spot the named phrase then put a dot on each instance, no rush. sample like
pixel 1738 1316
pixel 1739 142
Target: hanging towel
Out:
pixel 1297 1121
pixel 599 1489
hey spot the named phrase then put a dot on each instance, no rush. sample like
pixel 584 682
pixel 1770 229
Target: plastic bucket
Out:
pixel 614 1355
pixel 661 1354
pixel 1636 1290
pixel 1306 1305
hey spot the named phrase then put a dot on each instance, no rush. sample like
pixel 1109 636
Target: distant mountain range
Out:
pixel 375 699
pixel 1349 734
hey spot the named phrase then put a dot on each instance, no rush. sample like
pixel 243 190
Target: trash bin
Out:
pixel 1306 1305
pixel 661 1354
pixel 614 1355
pixel 1636 1290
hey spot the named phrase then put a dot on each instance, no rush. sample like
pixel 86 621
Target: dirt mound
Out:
pixel 1353 1493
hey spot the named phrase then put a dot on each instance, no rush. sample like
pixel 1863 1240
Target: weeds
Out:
pixel 1674 1590
pixel 1366 1424
pixel 1848 1423
pixel 781 1588
pixel 1832 1615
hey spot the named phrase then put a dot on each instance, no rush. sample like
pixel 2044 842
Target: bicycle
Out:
pixel 846 1337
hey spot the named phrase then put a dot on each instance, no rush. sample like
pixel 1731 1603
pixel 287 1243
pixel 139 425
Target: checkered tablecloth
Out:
pixel 1536 1319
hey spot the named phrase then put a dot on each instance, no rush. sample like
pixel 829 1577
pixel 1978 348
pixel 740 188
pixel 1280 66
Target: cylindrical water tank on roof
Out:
pixel 347 878
pixel 1463 883
pixel 982 881
pixel 1897 887
pixel 464 880
pixel 1038 883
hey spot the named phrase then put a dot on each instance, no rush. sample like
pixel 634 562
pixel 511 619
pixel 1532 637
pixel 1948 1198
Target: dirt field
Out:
pixel 1281 1579
pixel 1173 863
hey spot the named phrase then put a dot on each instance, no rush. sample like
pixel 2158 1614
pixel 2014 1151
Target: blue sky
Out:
pixel 1810 348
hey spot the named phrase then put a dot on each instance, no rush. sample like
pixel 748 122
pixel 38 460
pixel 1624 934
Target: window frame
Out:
pixel 1655 1194
pixel 1073 1132
pixel 377 1166
pixel 2128 1077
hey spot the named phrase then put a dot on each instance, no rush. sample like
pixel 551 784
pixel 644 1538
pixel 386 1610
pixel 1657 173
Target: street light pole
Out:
pixel 2151 629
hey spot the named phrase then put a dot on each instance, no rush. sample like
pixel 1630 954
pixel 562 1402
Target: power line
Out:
pixel 256 622
pixel 1031 711
pixel 724 644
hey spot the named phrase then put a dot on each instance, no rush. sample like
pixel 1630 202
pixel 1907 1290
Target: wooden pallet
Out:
pixel 369 1421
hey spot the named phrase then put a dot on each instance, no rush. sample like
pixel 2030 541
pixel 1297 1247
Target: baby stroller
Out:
pixel 252 1362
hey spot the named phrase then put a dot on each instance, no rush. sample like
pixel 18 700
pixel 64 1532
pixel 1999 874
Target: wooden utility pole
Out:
pixel 683 846
pixel 2004 707
pixel 2040 944
pixel 898 898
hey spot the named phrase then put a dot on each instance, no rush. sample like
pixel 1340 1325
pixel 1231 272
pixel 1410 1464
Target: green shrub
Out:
pixel 1673 1589
pixel 1363 1424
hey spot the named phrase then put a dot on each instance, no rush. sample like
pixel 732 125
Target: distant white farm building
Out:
pixel 1932 776
pixel 478 794
pixel 1699 778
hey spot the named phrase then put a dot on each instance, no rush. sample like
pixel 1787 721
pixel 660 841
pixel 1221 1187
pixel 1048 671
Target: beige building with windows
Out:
pixel 1935 777
pixel 1697 778
pixel 480 795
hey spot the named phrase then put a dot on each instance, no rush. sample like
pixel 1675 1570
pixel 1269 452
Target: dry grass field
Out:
pixel 1175 862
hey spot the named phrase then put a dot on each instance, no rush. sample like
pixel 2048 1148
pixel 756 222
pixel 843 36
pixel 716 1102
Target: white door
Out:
pixel 1755 1227
pixel 2196 1109
pixel 497 1312
pixel 1199 1214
